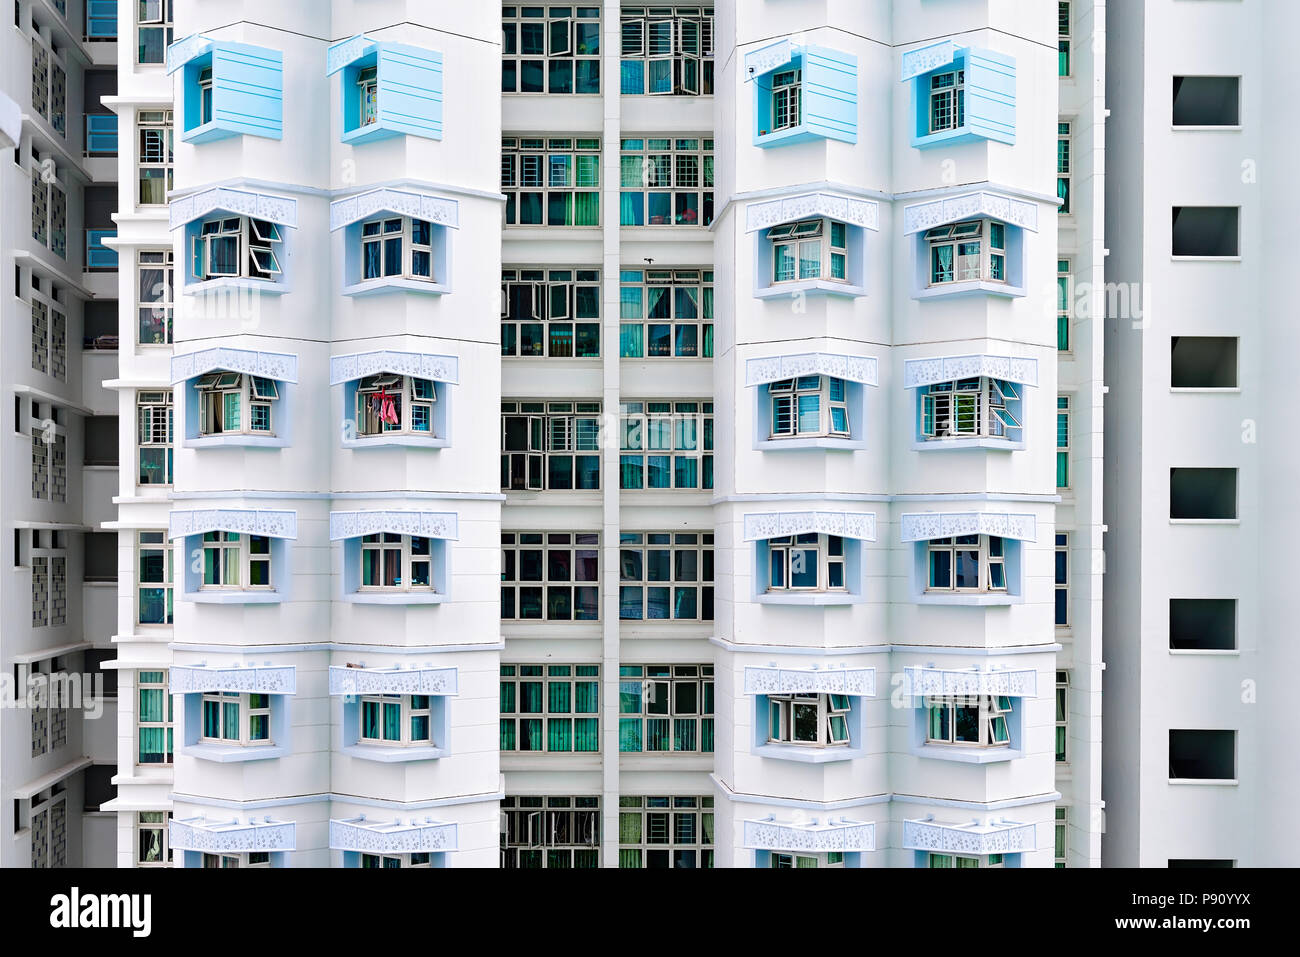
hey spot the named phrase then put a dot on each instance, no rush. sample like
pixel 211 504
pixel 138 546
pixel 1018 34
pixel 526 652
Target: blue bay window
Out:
pixel 228 89
pixel 395 557
pixel 395 241
pixel 235 237
pixel 234 556
pixel 395 398
pixel 803 93
pixel 973 401
pixel 813 400
pixel 387 89
pixel 233 713
pixel 814 244
pixel 235 397
pixel 810 715
pixel 973 244
pixel 961 95
pixel 394 714
pixel 809 558
pixel 968 558
pixel 967 714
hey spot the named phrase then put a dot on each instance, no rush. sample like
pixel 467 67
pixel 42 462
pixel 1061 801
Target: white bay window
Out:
pixel 809 407
pixel 231 718
pixel 235 402
pixel 236 246
pixel 395 562
pixel 809 720
pixel 975 721
pixel 396 720
pixel 809 249
pixel 397 247
pixel 388 403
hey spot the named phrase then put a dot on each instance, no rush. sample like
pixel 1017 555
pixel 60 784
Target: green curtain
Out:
pixel 153 745
pixel 706 735
pixel 507 734
pixel 559 734
pixel 586 209
pixel 629 858
pixel 560 698
pixel 684 734
pixel 629 828
pixel 586 735
pixel 629 734
pixel 631 341
pixel 586 696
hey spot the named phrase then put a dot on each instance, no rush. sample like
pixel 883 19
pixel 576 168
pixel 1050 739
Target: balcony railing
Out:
pixel 101 134
pixel 100 258
pixel 101 20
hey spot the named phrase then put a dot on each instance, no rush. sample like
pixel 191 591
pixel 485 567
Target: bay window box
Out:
pixel 395 398
pixel 814 400
pixel 813 715
pixel 995 842
pixel 386 250
pixel 966 714
pixel 228 89
pixel 802 93
pixel 961 95
pixel 970 244
pixel 963 860
pixel 980 561
pixel 234 713
pixel 813 244
pixel 386 89
pixel 242 555
pixel 818 561
pixel 807 562
pixel 235 397
pixel 974 401
pixel 234 237
pixel 976 722
pixel 394 557
pixel 394 714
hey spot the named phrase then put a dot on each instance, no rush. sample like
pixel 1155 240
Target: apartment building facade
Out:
pixel 796 534
pixel 1197 463
pixel 57 320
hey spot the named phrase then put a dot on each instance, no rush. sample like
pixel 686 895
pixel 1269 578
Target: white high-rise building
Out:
pixel 1199 767
pixel 794 556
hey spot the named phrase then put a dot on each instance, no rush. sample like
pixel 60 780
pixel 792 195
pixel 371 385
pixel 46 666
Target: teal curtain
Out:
pixel 586 697
pixel 631 209
pixel 530 697
pixel 560 696
pixel 631 341
pixel 629 734
pixel 586 735
pixel 154 746
pixel 530 734
pixel 706 735
pixel 586 209
pixel 369 719
pixel 230 422
pixel 392 722
pixel 656 733
pixel 559 734
pixel 684 734
pixel 507 734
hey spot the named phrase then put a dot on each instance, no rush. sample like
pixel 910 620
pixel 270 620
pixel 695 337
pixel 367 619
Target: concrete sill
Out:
pixel 1208 782
pixel 366 752
pixel 396 441
pixel 810 755
pixel 821 442
pixel 233 597
pixel 395 598
pixel 1205 389
pixel 940 752
pixel 1205 521
pixel 951 445
pixel 970 287
pixel 262 287
pixel 1205 259
pixel 811 598
pixel 372 287
pixel 1207 129
pixel 236 441
pixel 972 599
pixel 1207 652
pixel 228 754
pixel 810 287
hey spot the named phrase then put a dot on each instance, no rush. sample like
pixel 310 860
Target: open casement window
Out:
pixel 947 101
pixel 970 408
pixel 966 563
pixel 236 246
pixel 551 313
pixel 784 860
pixel 415 859
pixel 153 30
pixel 205 95
pixel 232 718
pixel 550 49
pixel 551 181
pixel 391 562
pixel 389 403
pixel 397 246
pixel 787 97
pixel 396 720
pixel 234 561
pixel 235 402
pixel 368 95
pixel 809 406
pixel 807 562
pixel 809 720
pixel 809 249
pixel 666 313
pixel 666 51
pixel 978 721
pixel 968 251
pixel 665 708
pixel 562 832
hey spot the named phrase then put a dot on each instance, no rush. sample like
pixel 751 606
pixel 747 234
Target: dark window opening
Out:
pixel 1207 101
pixel 1203 624
pixel 1206 231
pixel 101 440
pixel 1203 362
pixel 1203 755
pixel 1203 493
pixel 101 557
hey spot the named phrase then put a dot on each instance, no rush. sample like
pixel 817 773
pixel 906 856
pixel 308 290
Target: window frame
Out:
pixel 789 392
pixel 554 829
pixel 245 713
pixel 954 95
pixel 1062 725
pixel 1064 177
pixel 643 423
pixel 697 544
pixel 991 397
pixel 674 154
pixel 1064 66
pixel 569 332
pixel 404 547
pixel 408 404
pixel 163 827
pixel 1063 441
pixel 242 860
pixel 408 248
pixel 583 593
pixel 514 58
pixel 242 545
pixel 518 153
pixel 167 724
pixel 250 242
pixel 1061 579
pixel 161 310
pixel 245 389
pixel 578 440
pixel 990 259
pixel 985 560
pixel 642 336
pixel 992 711
pixel 159 23
pixel 795 235
pixel 1064 303
pixel 166 585
pixel 680 72
pixel 832 715
pixel 570 675
pixel 410 708
pixel 787 545
pixel 149 125
pixel 639 827
pixel 167 446
pixel 634 721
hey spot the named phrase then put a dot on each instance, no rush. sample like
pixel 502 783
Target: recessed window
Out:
pixel 236 246
pixel 234 402
pixel 809 249
pixel 560 53
pixel 551 576
pixel 154 718
pixel 978 407
pixel 154 437
pixel 809 406
pixel 1207 101
pixel 1063 167
pixel 391 562
pixel 552 445
pixel 787 94
pixel 665 576
pixel 1203 362
pixel 551 181
pixel 968 251
pixel 233 718
pixel 368 96
pixel 808 720
pixel 250 859
pixel 1202 624
pixel 553 313
pixel 1206 231
pixel 395 720
pixel 1201 862
pixel 665 832
pixel 807 562
pixel 666 313
pixel 781 861
pixel 966 563
pixel 562 832
pixel 153 578
pixel 947 101
pixel 1203 493
pixel 665 445
pixel 1062 579
pixel 1203 755
pixel 665 708
pixel 550 708
pixel 979 721
pixel 665 54
pixel 153 30
pixel 666 181
pixel 156 156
